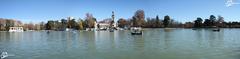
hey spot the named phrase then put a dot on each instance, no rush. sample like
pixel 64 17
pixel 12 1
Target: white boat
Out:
pixel 4 55
pixel 16 29
pixel 90 29
pixel 216 29
pixel 136 30
pixel 67 29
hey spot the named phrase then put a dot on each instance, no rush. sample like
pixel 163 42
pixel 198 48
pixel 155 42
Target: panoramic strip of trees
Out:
pixel 72 23
pixel 137 20
pixel 214 21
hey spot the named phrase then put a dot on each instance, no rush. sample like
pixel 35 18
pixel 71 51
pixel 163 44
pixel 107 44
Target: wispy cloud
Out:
pixel 230 3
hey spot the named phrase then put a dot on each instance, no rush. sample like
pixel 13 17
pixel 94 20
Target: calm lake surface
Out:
pixel 153 44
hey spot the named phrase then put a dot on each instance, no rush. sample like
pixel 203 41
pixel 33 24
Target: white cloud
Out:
pixel 230 3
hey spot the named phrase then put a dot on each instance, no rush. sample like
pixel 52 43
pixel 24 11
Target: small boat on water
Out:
pixel 4 55
pixel 136 30
pixel 111 30
pixel 48 32
pixel 216 30
pixel 90 29
pixel 102 29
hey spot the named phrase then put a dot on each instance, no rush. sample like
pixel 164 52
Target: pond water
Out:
pixel 153 44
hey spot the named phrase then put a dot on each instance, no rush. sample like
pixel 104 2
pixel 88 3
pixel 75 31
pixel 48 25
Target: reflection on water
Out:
pixel 153 44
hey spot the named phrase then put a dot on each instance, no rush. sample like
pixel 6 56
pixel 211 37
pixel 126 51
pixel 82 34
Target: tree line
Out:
pixel 72 23
pixel 214 21
pixel 137 20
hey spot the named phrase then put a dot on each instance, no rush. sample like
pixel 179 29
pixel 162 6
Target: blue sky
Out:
pixel 180 10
